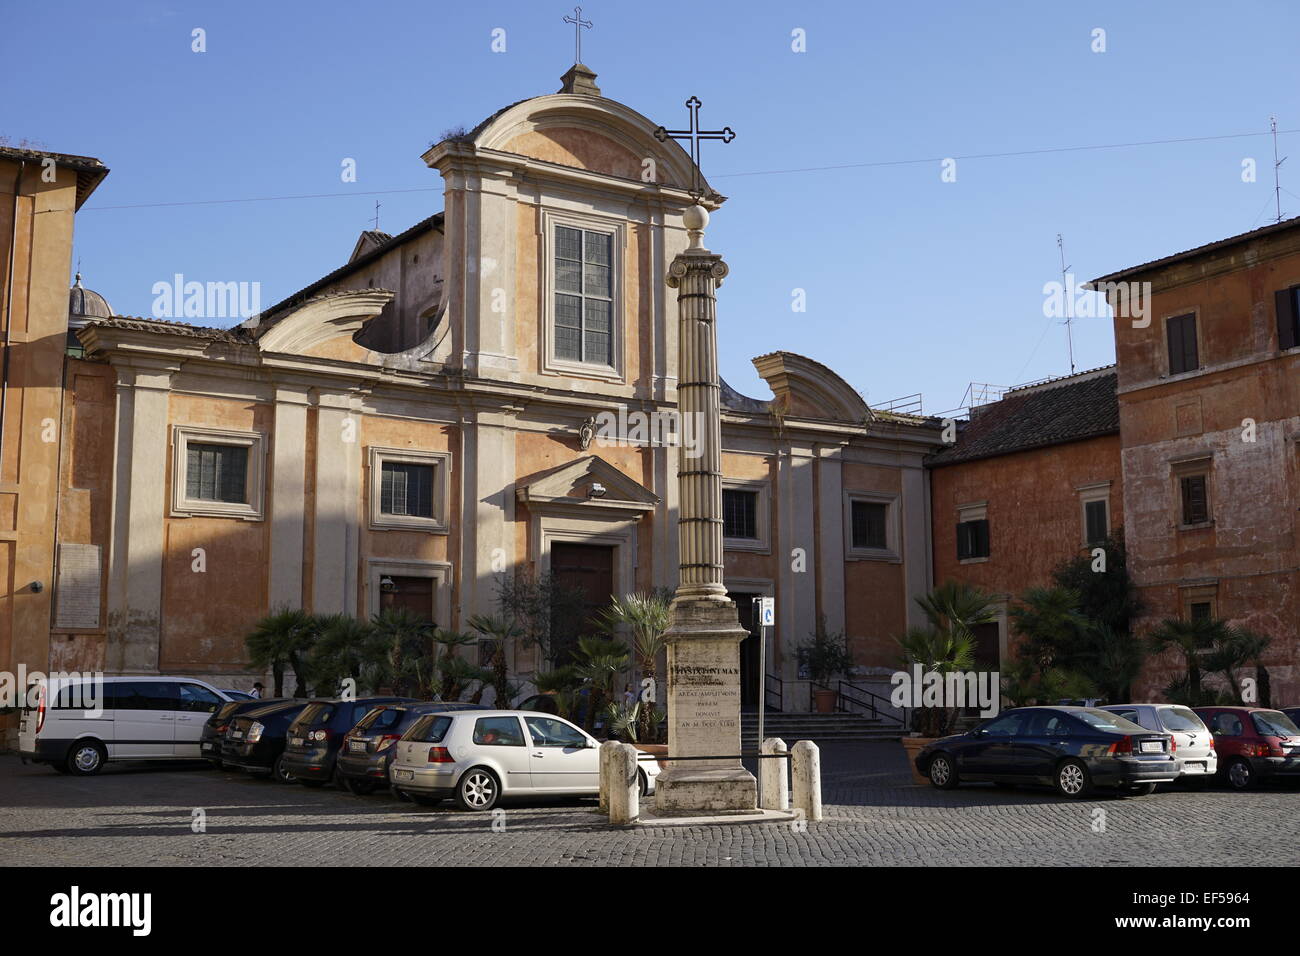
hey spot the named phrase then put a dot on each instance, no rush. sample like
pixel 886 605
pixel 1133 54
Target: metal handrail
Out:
pixel 779 692
pixel 854 697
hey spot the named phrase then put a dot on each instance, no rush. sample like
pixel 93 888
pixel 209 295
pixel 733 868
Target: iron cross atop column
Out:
pixel 694 135
pixel 578 24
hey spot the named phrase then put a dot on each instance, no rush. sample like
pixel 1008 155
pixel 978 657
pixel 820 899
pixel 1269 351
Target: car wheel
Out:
pixel 1239 774
pixel 86 758
pixel 280 773
pixel 478 790
pixel 357 787
pixel 1072 779
pixel 422 800
pixel 1141 790
pixel 643 785
pixel 942 773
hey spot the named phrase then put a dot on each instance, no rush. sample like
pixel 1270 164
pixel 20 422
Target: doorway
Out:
pixel 749 649
pixel 588 569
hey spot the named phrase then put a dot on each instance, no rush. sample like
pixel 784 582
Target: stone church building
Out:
pixel 410 427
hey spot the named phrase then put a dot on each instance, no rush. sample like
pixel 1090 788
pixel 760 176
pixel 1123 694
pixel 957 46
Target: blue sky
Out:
pixel 912 284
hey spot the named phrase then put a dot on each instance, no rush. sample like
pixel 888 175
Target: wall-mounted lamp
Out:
pixel 387 585
pixel 37 587
pixel 597 490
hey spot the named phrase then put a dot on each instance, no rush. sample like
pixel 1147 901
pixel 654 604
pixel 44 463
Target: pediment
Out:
pixel 338 315
pixel 568 487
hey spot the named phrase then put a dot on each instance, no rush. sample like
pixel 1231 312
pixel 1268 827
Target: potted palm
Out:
pixel 646 616
pixel 945 645
pixel 824 658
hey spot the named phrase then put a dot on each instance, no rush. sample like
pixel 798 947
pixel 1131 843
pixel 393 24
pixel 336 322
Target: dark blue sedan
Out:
pixel 1074 749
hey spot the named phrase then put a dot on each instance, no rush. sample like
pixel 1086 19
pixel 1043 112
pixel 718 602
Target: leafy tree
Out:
pixel 409 658
pixel 1106 597
pixel 503 633
pixel 550 614
pixel 346 648
pixel 1188 639
pixel 826 656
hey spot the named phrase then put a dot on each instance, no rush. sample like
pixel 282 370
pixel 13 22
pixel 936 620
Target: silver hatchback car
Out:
pixel 1193 740
pixel 479 756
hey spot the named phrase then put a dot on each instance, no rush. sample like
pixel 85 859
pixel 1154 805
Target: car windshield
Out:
pixel 1105 720
pixel 225 710
pixel 1180 719
pixel 429 729
pixel 1274 723
pixel 314 714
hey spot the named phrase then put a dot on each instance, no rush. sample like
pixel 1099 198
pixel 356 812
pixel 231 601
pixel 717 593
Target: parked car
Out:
pixel 317 733
pixel 78 725
pixel 478 757
pixel 1253 743
pixel 238 694
pixel 1293 713
pixel 1193 742
pixel 366 750
pixel 1074 749
pixel 214 730
pixel 254 740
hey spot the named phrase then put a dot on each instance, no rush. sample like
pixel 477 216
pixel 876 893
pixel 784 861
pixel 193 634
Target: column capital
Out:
pixel 698 261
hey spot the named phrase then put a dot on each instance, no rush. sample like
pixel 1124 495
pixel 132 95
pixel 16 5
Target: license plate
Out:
pixel 403 774
pixel 236 734
pixel 296 741
pixel 357 746
pixel 1152 747
pixel 209 746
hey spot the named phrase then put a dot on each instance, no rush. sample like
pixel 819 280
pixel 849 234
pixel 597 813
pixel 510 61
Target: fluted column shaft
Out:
pixel 696 274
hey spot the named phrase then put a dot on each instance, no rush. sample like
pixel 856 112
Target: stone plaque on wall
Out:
pixel 76 592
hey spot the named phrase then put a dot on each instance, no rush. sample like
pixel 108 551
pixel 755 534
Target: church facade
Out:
pixel 460 402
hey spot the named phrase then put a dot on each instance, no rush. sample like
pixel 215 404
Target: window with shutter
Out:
pixel 973 539
pixel 1287 302
pixel 584 296
pixel 1181 333
pixel 1196 503
pixel 869 528
pixel 1098 522
pixel 216 472
pixel 739 513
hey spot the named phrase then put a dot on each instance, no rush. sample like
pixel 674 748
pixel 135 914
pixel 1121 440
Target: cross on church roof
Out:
pixel 578 24
pixel 694 135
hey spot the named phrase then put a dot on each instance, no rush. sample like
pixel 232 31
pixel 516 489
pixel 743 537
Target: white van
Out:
pixel 77 724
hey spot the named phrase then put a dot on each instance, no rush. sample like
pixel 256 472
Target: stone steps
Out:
pixel 815 727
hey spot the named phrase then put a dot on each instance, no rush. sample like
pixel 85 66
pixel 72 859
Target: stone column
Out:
pixel 704 634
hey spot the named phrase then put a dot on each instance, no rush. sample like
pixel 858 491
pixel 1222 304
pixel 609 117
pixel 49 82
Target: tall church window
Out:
pixel 584 296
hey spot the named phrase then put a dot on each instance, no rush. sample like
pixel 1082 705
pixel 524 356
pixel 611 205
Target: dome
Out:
pixel 85 305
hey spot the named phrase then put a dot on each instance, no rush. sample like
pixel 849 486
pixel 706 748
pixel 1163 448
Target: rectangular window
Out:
pixel 1201 611
pixel 869 528
pixel 1287 302
pixel 973 539
pixel 1096 520
pixel 584 296
pixel 216 472
pixel 739 514
pixel 1181 331
pixel 1196 501
pixel 406 489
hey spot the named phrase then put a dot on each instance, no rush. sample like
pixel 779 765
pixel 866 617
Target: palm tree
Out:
pixel 1233 649
pixel 646 615
pixel 409 657
pixel 501 632
pixel 599 662
pixel 281 639
pixel 346 648
pixel 1116 660
pixel 940 651
pixel 1189 638
pixel 1050 622
pixel 957 608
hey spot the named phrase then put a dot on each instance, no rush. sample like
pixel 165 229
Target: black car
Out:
pixel 255 739
pixel 363 757
pixel 214 730
pixel 317 733
pixel 1073 749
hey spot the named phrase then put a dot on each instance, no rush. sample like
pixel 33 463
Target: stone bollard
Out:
pixel 776 781
pixel 624 787
pixel 607 750
pixel 807 773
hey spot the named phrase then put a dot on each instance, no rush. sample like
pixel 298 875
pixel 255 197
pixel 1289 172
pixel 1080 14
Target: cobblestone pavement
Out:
pixel 874 815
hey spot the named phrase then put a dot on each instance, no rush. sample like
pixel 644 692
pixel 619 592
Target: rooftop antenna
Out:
pixel 376 215
pixel 1069 311
pixel 1277 167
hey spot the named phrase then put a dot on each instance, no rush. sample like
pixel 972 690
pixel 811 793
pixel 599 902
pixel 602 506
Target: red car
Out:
pixel 1252 743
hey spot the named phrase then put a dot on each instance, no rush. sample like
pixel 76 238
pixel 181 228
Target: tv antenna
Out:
pixel 1277 169
pixel 1069 306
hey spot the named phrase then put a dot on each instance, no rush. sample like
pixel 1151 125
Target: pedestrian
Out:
pixel 628 697
pixel 256 692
